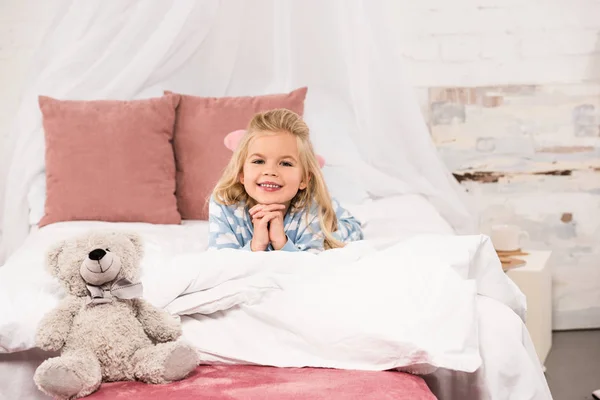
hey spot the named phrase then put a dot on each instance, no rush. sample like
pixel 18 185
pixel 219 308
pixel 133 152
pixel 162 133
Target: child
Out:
pixel 272 195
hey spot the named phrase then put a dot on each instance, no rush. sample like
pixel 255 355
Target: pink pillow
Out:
pixel 110 160
pixel 201 126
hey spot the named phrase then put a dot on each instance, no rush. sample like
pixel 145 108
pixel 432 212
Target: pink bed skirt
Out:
pixel 266 383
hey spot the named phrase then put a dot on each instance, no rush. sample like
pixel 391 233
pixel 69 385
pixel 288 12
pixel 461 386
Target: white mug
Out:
pixel 507 237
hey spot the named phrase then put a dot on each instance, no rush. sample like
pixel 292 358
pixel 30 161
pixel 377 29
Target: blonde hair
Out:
pixel 229 190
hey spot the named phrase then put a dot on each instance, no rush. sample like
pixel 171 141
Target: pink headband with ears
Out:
pixel 233 139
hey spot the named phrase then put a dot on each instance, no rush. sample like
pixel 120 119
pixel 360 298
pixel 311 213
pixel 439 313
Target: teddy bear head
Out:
pixel 95 258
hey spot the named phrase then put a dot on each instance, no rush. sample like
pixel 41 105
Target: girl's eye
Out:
pixel 258 162
pixel 286 164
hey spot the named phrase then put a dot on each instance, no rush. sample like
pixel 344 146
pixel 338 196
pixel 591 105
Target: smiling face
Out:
pixel 272 173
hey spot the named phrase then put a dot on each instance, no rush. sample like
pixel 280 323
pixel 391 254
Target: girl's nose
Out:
pixel 269 170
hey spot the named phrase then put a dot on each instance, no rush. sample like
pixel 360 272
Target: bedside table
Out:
pixel 535 281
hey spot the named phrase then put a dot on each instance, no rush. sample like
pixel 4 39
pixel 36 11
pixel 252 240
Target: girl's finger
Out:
pixel 259 210
pixel 271 207
pixel 255 209
pixel 263 222
pixel 278 214
pixel 271 215
pixel 258 222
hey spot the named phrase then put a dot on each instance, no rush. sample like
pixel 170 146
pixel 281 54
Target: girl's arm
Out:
pixel 221 235
pixel 349 228
pixel 311 238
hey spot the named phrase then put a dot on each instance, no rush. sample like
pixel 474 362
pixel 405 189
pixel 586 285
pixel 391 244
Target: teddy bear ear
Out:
pixel 52 257
pixel 233 139
pixel 136 239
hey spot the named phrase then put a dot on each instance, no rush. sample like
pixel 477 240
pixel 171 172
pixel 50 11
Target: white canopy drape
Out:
pixel 364 118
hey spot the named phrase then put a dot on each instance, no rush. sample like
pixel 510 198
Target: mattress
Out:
pixel 510 368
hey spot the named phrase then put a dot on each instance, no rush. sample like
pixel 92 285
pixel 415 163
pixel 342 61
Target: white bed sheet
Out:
pixel 505 345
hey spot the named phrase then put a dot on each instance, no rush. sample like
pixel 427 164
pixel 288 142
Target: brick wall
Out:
pixel 530 154
pixel 511 90
pixel 489 42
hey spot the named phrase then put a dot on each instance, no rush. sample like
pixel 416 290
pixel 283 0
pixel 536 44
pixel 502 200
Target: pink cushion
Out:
pixel 110 160
pixel 265 383
pixel 201 126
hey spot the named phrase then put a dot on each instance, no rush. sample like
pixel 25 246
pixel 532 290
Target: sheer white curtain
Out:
pixel 364 117
pixel 95 50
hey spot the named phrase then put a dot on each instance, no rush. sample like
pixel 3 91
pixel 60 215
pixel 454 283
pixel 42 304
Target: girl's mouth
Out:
pixel 269 187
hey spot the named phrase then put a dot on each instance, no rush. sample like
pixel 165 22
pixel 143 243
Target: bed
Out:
pixel 380 163
pixel 509 370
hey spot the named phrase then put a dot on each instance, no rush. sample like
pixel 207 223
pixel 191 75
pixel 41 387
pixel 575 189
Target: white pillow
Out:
pixel 36 198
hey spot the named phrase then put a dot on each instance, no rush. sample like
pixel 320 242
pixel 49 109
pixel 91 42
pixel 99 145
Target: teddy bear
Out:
pixel 103 328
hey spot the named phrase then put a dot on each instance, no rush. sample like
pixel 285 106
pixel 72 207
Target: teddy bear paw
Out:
pixel 60 382
pixel 171 331
pixel 164 362
pixel 68 377
pixel 50 339
pixel 180 362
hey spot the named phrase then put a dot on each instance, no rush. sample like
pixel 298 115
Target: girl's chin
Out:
pixel 270 199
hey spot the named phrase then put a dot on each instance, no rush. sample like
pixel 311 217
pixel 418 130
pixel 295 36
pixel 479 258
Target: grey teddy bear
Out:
pixel 104 329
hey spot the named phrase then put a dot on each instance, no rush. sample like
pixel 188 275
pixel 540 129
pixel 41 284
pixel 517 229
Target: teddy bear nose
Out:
pixel 97 254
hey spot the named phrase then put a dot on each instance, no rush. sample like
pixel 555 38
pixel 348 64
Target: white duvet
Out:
pixel 351 309
pixel 410 305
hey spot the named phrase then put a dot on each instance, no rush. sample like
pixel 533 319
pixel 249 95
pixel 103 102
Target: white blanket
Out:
pixel 355 308
pixel 372 312
pixel 412 304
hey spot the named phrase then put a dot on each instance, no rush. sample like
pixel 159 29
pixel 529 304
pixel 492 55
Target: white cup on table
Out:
pixel 506 237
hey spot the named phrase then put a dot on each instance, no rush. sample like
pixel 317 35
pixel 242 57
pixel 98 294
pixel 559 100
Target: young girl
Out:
pixel 272 195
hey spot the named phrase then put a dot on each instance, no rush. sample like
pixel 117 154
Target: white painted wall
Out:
pixel 554 44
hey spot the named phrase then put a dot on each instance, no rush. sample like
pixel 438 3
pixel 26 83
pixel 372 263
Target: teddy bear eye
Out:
pixel 107 249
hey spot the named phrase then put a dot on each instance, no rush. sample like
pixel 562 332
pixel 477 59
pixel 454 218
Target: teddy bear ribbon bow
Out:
pixel 121 289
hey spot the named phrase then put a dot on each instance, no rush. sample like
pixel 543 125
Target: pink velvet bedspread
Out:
pixel 266 383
